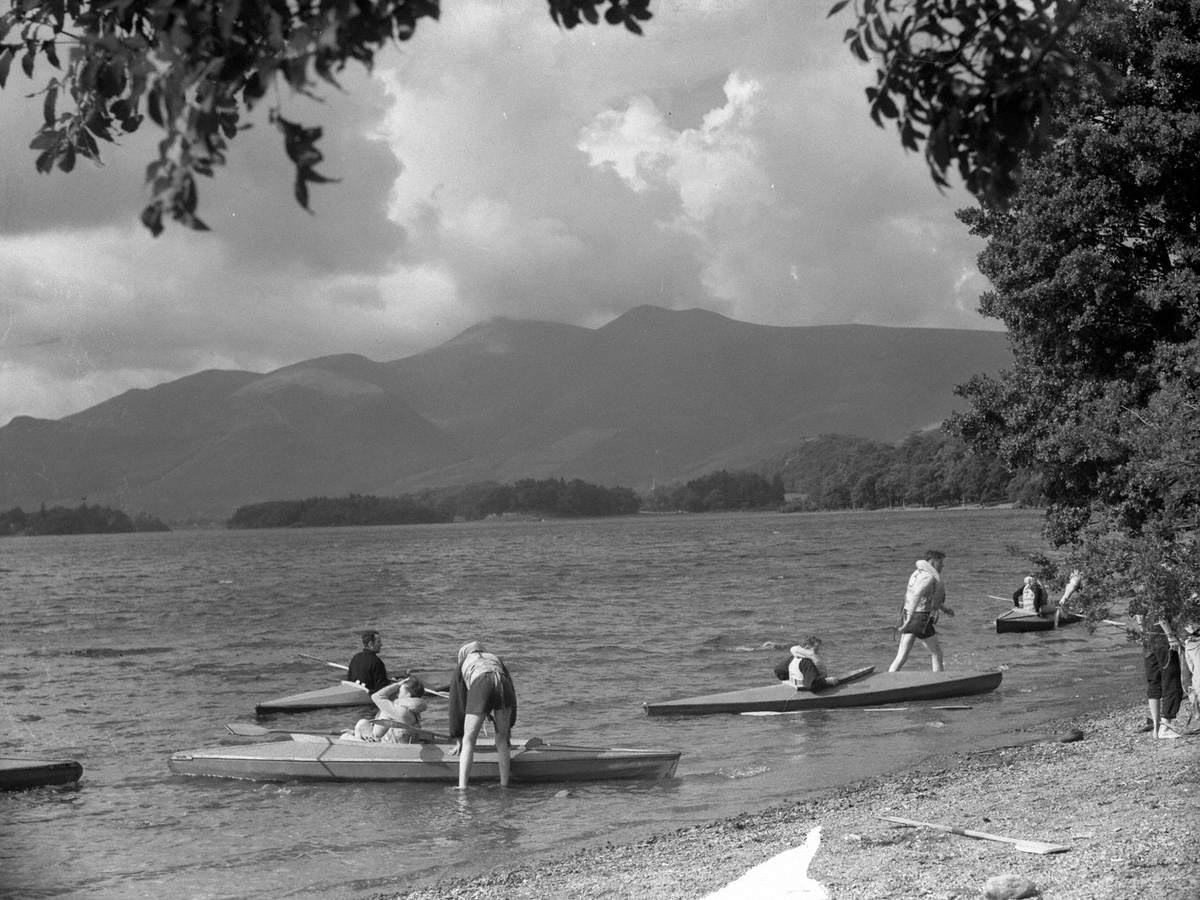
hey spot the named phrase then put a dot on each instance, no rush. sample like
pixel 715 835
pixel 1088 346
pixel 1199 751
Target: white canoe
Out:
pixel 331 759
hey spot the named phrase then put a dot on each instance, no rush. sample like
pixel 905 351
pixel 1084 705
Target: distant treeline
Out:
pixel 927 469
pixel 826 473
pixel 718 492
pixel 83 519
pixel 553 497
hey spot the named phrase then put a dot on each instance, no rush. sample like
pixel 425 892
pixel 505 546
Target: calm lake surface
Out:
pixel 119 650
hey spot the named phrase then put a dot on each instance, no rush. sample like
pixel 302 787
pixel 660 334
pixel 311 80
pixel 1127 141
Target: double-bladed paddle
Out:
pixel 334 665
pixel 245 729
pixel 1020 843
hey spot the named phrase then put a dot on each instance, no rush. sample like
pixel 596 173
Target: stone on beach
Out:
pixel 1009 887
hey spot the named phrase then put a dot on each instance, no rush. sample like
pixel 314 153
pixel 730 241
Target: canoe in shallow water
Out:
pixel 1017 619
pixel 872 690
pixel 345 693
pixel 19 774
pixel 338 760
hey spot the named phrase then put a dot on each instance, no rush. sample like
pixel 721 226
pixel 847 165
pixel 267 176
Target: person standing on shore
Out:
pixel 1164 684
pixel 366 667
pixel 924 600
pixel 481 685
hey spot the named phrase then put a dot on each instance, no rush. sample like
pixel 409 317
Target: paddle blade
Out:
pixel 245 729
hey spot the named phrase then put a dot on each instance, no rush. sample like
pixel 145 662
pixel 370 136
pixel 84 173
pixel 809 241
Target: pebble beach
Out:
pixel 1127 805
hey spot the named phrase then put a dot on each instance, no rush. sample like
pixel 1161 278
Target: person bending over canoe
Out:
pixel 481 684
pixel 804 669
pixel 403 703
pixel 924 599
pixel 366 667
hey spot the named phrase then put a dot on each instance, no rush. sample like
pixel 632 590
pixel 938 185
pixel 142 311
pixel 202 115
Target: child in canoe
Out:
pixel 401 702
pixel 804 669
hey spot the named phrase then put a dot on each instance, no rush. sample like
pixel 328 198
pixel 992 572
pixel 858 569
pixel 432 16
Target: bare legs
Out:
pixel 471 725
pixel 906 645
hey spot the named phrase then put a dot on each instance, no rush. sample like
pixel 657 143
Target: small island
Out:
pixel 83 519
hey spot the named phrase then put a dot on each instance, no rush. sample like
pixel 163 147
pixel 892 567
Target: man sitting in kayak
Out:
pixel 804 668
pixel 366 667
pixel 1030 596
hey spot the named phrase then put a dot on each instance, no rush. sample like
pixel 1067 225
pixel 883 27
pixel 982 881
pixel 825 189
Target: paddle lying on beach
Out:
pixel 1020 843
pixel 334 665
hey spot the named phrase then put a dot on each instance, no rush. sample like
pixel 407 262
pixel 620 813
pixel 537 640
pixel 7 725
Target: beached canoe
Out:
pixel 874 689
pixel 1017 619
pixel 19 774
pixel 331 759
pixel 345 693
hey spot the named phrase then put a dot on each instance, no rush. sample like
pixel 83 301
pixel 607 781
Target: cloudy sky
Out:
pixel 492 166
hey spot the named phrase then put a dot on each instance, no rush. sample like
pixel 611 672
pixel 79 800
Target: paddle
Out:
pixel 1020 843
pixel 245 729
pixel 334 665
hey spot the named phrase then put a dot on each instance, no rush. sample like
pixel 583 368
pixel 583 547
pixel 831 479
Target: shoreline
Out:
pixel 1127 804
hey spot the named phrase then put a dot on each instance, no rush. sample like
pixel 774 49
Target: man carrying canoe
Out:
pixel 366 667
pixel 924 599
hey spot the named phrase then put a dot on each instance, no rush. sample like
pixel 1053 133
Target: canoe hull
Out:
pixel 21 774
pixel 334 760
pixel 345 694
pixel 1021 620
pixel 873 690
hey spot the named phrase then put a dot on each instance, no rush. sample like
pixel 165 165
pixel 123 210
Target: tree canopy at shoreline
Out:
pixel 1095 265
pixel 83 519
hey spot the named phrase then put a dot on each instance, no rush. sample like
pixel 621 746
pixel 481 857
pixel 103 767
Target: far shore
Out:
pixel 1126 804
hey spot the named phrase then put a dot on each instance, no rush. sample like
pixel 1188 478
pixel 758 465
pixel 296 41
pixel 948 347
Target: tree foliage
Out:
pixel 197 67
pixel 1095 265
pixel 543 497
pixel 970 81
pixel 84 519
pixel 925 469
pixel 720 491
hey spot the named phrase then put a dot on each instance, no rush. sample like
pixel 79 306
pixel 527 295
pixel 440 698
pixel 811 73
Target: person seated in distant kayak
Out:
pixel 1030 596
pixel 402 703
pixel 366 667
pixel 804 669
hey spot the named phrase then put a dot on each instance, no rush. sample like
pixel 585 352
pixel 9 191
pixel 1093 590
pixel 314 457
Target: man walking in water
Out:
pixel 923 601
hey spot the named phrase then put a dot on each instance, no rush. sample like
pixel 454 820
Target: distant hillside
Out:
pixel 654 396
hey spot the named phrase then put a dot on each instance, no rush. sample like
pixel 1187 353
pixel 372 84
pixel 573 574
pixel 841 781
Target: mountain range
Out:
pixel 653 397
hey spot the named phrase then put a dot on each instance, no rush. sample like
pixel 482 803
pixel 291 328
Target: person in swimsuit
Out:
pixel 924 599
pixel 481 685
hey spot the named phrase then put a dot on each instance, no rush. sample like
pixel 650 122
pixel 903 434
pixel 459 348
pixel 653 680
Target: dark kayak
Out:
pixel 871 690
pixel 19 774
pixel 1023 620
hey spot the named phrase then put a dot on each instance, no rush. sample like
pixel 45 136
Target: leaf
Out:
pixel 836 8
pixel 6 58
pixel 48 104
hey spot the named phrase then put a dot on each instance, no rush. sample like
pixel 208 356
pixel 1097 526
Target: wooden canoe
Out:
pixel 345 693
pixel 872 690
pixel 332 759
pixel 1017 619
pixel 18 774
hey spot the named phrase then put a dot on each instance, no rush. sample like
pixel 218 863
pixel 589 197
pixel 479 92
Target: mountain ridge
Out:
pixel 653 396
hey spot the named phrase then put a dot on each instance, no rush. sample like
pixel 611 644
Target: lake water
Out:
pixel 119 650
